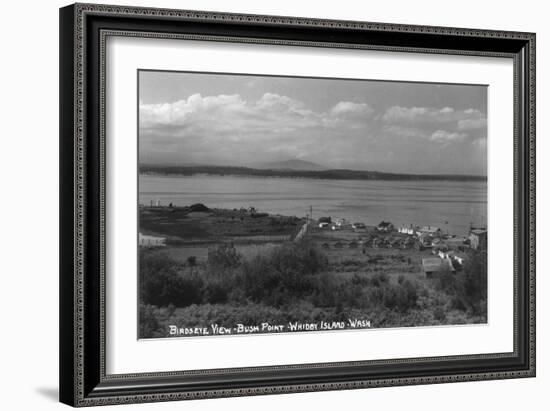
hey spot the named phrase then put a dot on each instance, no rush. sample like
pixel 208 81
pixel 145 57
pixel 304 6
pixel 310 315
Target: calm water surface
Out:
pixel 450 205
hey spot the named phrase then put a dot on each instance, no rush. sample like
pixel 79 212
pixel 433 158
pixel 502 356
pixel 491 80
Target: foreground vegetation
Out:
pixel 296 282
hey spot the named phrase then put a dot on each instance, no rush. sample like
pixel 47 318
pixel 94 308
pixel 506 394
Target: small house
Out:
pixel 425 240
pixel 385 227
pixel 460 258
pixel 456 243
pixel 434 265
pixel 151 241
pixel 429 230
pixel 478 239
pixel 406 230
pixel 359 226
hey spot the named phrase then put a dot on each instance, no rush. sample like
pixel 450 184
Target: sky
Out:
pixel 242 120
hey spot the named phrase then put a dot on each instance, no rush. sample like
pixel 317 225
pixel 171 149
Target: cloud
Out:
pixel 402 131
pixel 272 101
pixel 232 130
pixel 412 115
pixel 349 108
pixel 442 125
pixel 182 111
pixel 480 143
pixel 210 127
pixel 446 136
pixel 230 113
pixel 472 124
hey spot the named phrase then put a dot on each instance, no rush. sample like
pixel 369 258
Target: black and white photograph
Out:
pixel 275 205
pixel 271 204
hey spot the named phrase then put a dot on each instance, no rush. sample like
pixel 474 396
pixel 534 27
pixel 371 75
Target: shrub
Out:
pixel 282 275
pixel 162 282
pixel 149 324
pixel 192 260
pixel 215 293
pixel 217 286
pixel 468 288
pixel 439 314
pixel 473 283
pixel 223 256
pixel 400 297
pixel 379 279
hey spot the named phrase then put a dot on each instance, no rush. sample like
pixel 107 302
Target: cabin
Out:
pixel 406 230
pixel 425 240
pixel 459 258
pixel 429 230
pixel 433 266
pixel 457 243
pixel 478 239
pixel 151 241
pixel 439 249
pixel 358 226
pixel 385 227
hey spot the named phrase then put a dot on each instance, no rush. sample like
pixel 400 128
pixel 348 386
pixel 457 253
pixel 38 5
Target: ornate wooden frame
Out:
pixel 83 31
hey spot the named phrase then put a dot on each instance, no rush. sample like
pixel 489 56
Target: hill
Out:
pixel 293 164
pixel 320 174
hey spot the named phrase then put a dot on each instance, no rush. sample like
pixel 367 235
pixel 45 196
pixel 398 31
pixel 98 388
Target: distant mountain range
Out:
pixel 299 169
pixel 293 164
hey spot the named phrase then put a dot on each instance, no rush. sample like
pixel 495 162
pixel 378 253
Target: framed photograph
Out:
pixel 261 204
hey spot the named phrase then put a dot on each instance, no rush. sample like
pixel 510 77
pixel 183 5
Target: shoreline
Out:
pixel 211 226
pixel 343 175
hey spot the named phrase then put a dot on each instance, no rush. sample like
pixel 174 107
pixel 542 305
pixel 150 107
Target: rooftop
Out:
pixel 429 229
pixel 436 264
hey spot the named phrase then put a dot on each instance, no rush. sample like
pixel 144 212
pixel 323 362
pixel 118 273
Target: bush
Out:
pixel 149 325
pixel 468 288
pixel 379 279
pixel 223 256
pixel 217 285
pixel 282 275
pixel 162 282
pixel 439 314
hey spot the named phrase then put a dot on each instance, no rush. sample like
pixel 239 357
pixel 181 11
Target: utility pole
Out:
pixel 311 212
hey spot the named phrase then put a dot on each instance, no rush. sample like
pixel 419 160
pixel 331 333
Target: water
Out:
pixel 450 205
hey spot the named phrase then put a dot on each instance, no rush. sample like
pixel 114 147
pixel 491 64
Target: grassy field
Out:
pixel 328 276
pixel 184 226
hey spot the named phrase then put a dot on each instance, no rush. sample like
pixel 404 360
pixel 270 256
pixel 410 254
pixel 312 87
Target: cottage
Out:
pixel 457 243
pixel 460 258
pixel 478 239
pixel 340 224
pixel 406 230
pixel 440 250
pixel 425 240
pixel 385 226
pixel 435 265
pixel 359 226
pixel 429 230
pixel 151 241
